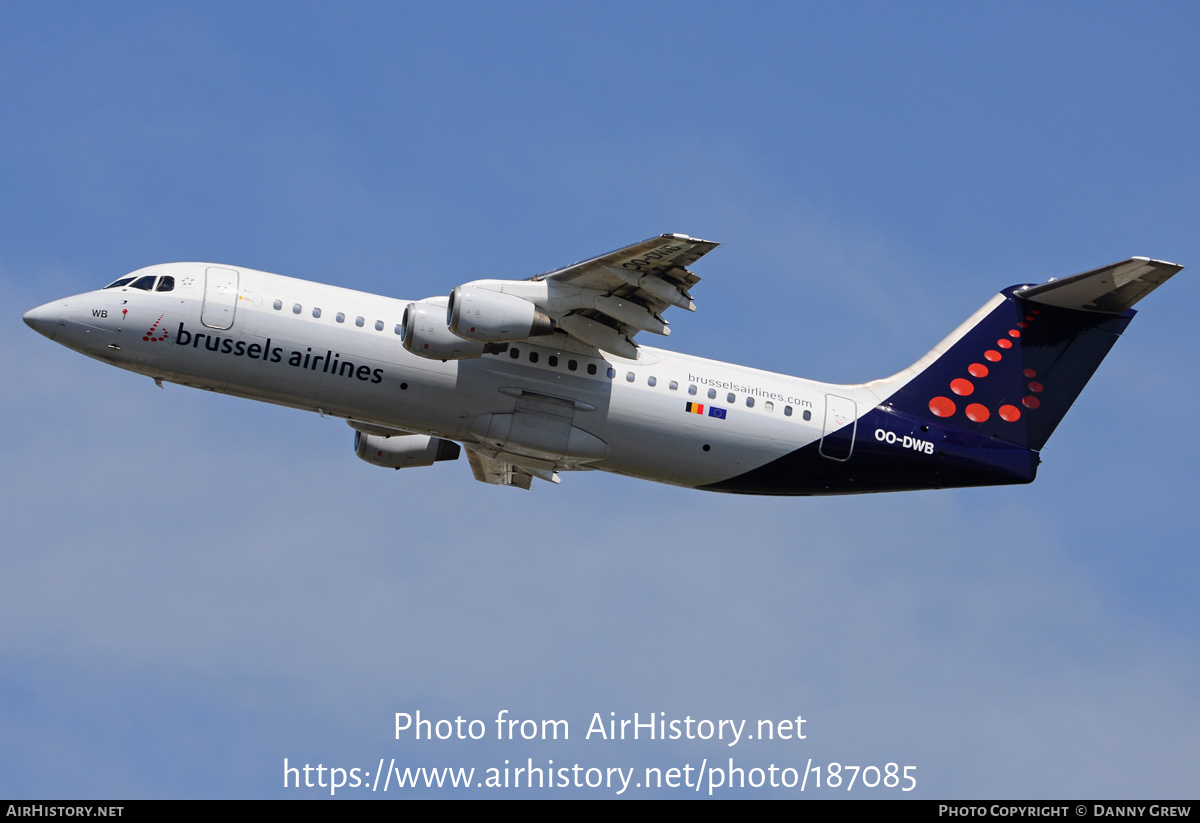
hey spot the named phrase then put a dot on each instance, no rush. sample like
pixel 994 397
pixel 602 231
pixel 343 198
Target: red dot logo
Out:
pixel 1014 332
pixel 942 406
pixel 977 413
pixel 1009 414
pixel 1031 402
pixel 1029 373
pixel 961 387
pixel 1004 344
pixel 977 370
pixel 1035 387
pixel 150 335
pixel 992 355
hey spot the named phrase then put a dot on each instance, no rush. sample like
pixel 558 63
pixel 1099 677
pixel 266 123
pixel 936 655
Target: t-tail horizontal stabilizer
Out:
pixel 1111 289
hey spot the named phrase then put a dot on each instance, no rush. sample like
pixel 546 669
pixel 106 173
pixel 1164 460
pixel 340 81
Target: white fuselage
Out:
pixel 339 352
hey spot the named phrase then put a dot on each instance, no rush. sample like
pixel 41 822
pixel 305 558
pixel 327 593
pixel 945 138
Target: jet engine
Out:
pixel 423 330
pixel 491 316
pixel 403 451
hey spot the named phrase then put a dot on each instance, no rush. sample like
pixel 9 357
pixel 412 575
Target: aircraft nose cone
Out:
pixel 42 321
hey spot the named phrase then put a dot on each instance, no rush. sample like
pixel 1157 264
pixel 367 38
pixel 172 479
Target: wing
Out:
pixel 607 300
pixel 500 473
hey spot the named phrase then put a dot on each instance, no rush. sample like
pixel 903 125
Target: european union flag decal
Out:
pixel 713 411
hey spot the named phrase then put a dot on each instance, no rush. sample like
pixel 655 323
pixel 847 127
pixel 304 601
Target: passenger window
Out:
pixel 787 411
pixel 731 397
pixel 611 372
pixel 653 381
pixel 692 391
pixel 340 317
pixel 533 357
pixel 358 321
pixel 399 329
pixel 166 284
pixel 591 368
pixel 278 304
pixel 316 312
pixel 629 377
pixel 807 414
pixel 553 361
pixel 295 308
pixel 712 394
pixel 514 353
pixel 378 325
pixel 749 402
pixel 572 365
pixel 672 385
pixel 768 406
pixel 144 283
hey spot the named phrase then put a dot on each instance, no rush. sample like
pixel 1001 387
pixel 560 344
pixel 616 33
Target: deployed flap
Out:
pixel 1111 289
pixel 631 288
pixel 497 472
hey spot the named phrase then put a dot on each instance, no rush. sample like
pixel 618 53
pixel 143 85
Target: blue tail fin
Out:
pixel 1015 372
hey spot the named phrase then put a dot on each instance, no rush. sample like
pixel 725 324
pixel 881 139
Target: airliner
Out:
pixel 542 376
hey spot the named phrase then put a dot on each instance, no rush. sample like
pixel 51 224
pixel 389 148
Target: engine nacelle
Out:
pixel 491 316
pixel 404 450
pixel 424 332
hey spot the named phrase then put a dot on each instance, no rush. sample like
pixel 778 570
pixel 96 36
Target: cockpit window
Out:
pixel 144 283
pixel 116 284
pixel 166 283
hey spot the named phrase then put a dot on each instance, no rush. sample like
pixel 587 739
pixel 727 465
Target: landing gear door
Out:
pixel 220 298
pixel 837 440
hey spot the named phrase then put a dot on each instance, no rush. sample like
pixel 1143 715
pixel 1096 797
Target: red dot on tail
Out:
pixel 1029 373
pixel 1035 387
pixel 993 355
pixel 961 387
pixel 977 413
pixel 942 406
pixel 1031 402
pixel 145 338
pixel 1014 332
pixel 977 370
pixel 1004 344
pixel 1009 413
pixel 1022 325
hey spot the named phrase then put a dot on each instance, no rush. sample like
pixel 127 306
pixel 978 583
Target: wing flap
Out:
pixel 635 285
pixel 497 472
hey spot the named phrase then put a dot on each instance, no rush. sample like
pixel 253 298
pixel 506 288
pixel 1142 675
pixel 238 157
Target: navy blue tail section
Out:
pixel 977 415
pixel 1015 373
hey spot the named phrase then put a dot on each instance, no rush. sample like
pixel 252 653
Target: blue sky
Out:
pixel 200 587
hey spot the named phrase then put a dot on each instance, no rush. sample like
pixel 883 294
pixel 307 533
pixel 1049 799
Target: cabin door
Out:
pixel 837 440
pixel 220 298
